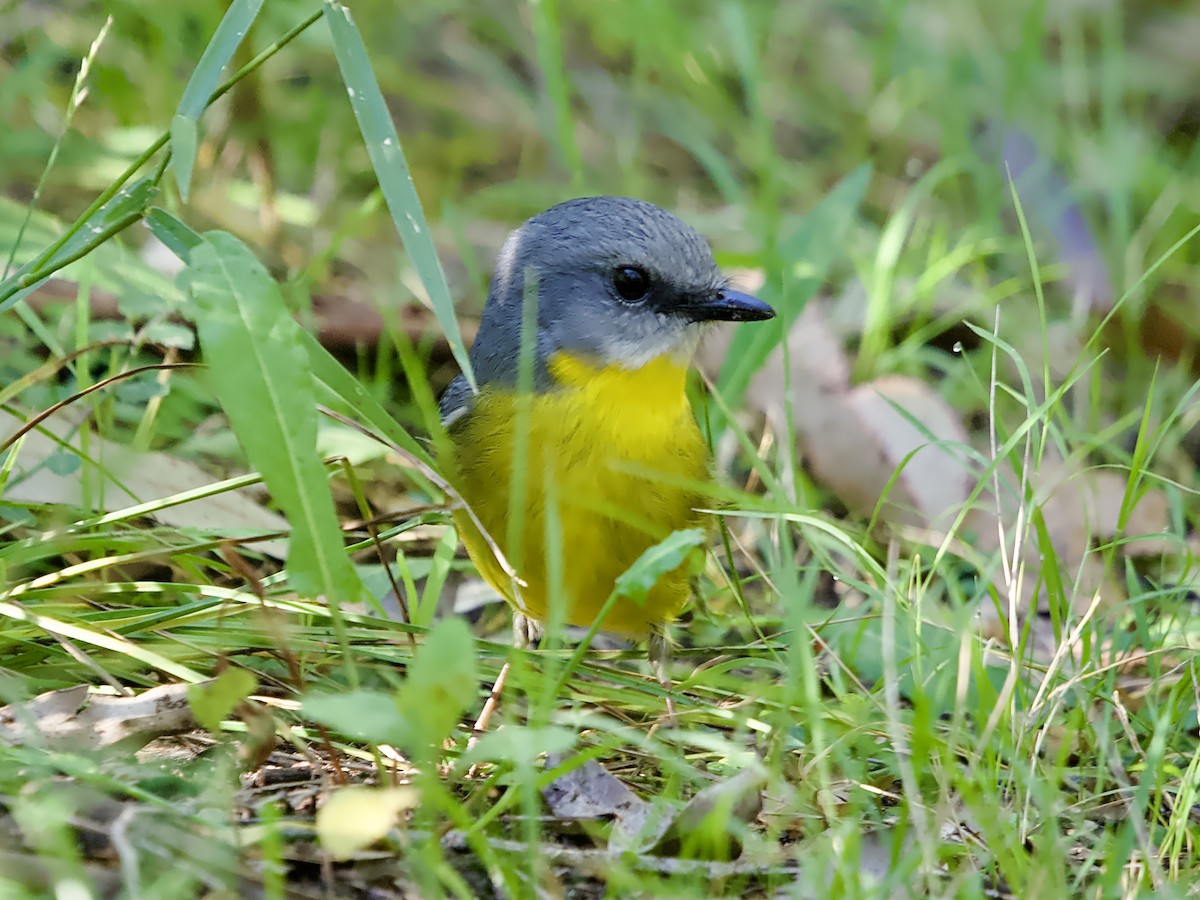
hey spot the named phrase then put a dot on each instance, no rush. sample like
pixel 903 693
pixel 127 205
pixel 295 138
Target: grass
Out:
pixel 998 703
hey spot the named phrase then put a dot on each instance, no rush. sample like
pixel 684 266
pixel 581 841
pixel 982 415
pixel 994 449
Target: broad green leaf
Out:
pixel 355 817
pixel 125 208
pixel 391 168
pixel 668 554
pixel 369 716
pixel 520 744
pixel 213 701
pixel 229 34
pixel 251 345
pixel 809 251
pixel 443 680
pixel 176 237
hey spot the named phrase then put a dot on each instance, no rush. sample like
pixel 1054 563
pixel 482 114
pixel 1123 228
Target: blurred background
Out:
pixel 740 116
pixel 976 220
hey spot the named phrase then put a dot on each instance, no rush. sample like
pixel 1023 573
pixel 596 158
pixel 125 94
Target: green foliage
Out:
pixel 387 158
pixel 225 41
pixel 811 248
pixel 668 554
pixel 442 683
pixel 261 376
pixel 852 153
pixel 124 208
pixel 212 702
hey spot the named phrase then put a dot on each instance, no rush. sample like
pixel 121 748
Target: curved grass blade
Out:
pixel 176 237
pixel 253 348
pixel 79 93
pixel 55 257
pixel 391 168
pixel 101 639
pixel 126 207
pixel 225 40
pixel 332 375
pixel 811 248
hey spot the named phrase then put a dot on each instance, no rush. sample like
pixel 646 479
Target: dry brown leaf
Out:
pixel 588 792
pixel 78 717
pixel 592 792
pixel 894 439
pixel 855 438
pixel 121 477
pixel 1081 509
pixel 814 354
pixel 916 431
pixel 701 830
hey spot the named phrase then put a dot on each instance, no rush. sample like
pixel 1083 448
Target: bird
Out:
pixel 577 448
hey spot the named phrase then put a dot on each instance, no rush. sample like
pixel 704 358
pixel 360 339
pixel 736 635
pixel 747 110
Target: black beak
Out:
pixel 725 306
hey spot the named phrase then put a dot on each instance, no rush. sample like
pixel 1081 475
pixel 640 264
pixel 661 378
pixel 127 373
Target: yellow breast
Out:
pixel 576 483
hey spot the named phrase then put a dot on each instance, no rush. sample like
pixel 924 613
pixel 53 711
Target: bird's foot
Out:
pixel 659 649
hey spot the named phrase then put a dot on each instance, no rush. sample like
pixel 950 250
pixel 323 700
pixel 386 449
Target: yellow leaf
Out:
pixel 356 817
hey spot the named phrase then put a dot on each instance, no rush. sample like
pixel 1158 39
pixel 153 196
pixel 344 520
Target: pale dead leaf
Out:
pixel 918 433
pixel 702 828
pixel 1081 508
pixel 1057 349
pixel 855 438
pixel 592 792
pixel 117 477
pixel 588 792
pixel 353 818
pixel 79 717
pixel 815 355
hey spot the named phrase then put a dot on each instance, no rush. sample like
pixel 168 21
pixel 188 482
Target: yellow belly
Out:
pixel 612 463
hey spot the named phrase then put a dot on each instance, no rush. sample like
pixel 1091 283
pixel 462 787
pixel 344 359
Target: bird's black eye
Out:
pixel 632 283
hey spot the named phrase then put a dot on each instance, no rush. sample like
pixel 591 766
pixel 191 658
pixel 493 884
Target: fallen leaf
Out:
pixel 354 817
pixel 914 432
pixel 79 717
pixel 590 792
pixel 118 477
pixel 707 827
pixel 855 438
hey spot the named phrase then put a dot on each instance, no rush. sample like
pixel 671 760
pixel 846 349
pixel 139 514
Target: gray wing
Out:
pixel 456 401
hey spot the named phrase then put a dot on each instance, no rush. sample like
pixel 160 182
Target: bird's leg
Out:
pixel 658 648
pixel 526 633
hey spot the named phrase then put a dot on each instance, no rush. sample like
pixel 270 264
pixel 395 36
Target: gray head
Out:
pixel 618 282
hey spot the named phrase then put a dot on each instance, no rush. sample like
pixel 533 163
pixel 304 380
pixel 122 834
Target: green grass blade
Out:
pixel 184 136
pixel 548 42
pixel 333 375
pixel 176 237
pixel 101 639
pixel 391 168
pixel 126 207
pixel 225 41
pixel 811 249
pixel 252 346
pixel 78 93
